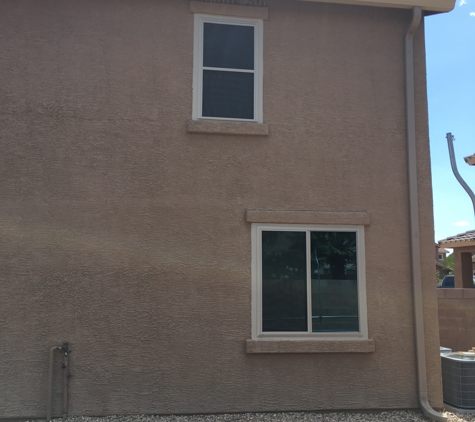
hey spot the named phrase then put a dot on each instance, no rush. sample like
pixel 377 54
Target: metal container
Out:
pixel 458 379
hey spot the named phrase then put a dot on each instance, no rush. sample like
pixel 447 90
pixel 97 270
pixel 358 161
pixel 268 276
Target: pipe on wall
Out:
pixel 414 220
pixel 66 372
pixel 453 163
pixel 65 382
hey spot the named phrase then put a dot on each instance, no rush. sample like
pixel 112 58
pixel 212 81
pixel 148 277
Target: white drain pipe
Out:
pixel 414 221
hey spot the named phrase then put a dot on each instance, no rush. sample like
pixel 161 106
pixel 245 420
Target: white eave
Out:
pixel 427 5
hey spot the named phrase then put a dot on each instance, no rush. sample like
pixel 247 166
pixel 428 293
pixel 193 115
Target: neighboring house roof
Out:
pixel 459 240
pixel 443 250
pixel 441 266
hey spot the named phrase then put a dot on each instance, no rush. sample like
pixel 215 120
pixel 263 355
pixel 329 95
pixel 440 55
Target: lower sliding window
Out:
pixel 308 281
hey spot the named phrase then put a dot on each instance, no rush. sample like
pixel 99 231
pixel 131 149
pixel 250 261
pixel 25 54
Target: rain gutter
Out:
pixel 414 220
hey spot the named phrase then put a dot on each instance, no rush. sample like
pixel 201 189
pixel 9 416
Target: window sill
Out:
pixel 219 127
pixel 310 346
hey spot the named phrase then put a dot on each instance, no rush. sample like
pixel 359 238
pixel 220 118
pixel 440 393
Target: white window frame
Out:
pixel 257 333
pixel 200 20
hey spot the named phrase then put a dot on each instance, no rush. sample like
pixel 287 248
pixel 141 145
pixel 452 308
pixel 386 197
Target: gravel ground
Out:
pixel 396 416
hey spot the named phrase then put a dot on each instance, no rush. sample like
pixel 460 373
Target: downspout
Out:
pixel 49 395
pixel 414 221
pixel 66 373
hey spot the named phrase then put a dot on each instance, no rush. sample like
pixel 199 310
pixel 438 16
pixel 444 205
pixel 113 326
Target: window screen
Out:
pixel 228 71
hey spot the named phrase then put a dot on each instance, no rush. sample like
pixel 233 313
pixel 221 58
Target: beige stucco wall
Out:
pixel 126 235
pixel 463 267
pixel 456 316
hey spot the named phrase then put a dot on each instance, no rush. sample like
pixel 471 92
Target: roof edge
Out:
pixel 457 243
pixel 426 5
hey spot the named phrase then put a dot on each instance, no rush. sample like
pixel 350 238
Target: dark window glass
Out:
pixel 284 285
pixel 228 94
pixel 228 46
pixel 334 281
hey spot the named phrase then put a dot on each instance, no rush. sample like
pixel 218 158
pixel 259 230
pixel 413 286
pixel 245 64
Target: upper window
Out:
pixel 227 82
pixel 308 281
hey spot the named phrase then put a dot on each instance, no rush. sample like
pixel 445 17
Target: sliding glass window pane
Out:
pixel 284 281
pixel 228 94
pixel 228 46
pixel 334 282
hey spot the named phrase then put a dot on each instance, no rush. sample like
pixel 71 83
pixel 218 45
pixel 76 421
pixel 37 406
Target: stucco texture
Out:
pixel 125 234
pixel 456 315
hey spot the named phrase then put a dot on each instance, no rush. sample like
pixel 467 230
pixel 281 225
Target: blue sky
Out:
pixel 450 49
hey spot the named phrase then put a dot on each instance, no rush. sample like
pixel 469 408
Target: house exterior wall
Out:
pixel 126 235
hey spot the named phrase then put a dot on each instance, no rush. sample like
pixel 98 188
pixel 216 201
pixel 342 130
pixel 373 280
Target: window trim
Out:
pixel 199 20
pixel 256 275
